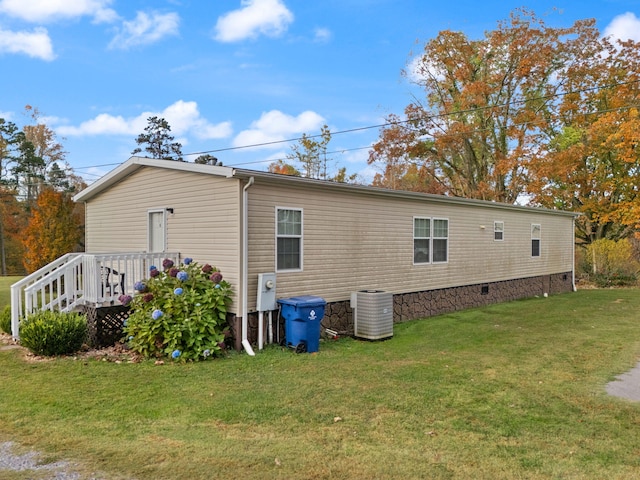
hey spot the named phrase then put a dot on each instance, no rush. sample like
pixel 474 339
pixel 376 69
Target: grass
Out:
pixel 503 392
pixel 5 289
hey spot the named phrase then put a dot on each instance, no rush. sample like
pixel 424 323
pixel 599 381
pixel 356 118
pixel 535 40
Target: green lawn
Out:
pixel 5 290
pixel 511 391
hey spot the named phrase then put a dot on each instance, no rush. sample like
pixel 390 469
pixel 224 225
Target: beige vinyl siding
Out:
pixel 356 241
pixel 205 223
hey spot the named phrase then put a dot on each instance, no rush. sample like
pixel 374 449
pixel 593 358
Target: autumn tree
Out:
pixel 158 141
pixel 284 168
pixel 12 221
pixel 308 158
pixel 592 163
pixel 484 113
pixel 40 152
pixel 311 154
pixel 53 229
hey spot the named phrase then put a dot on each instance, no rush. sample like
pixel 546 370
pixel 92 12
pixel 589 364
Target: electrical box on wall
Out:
pixel 266 292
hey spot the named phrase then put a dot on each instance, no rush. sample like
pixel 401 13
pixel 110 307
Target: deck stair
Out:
pixel 77 280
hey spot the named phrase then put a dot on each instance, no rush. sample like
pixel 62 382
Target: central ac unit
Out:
pixel 372 314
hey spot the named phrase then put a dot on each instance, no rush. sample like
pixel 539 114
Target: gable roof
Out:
pixel 135 163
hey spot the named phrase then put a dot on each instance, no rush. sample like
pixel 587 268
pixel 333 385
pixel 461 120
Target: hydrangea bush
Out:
pixel 179 312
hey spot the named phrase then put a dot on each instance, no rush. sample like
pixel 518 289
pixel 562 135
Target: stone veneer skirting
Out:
pixel 338 316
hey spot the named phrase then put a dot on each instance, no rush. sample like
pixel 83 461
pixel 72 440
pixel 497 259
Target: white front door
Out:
pixel 157 231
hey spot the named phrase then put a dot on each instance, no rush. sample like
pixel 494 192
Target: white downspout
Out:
pixel 573 256
pixel 245 267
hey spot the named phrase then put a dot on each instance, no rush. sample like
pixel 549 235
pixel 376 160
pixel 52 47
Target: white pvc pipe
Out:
pixel 245 268
pixel 270 327
pixel 260 330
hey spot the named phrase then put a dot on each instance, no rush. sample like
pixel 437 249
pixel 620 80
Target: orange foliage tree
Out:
pixel 53 229
pixel 485 112
pixel 592 164
pixel 527 112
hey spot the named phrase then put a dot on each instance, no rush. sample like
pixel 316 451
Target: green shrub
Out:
pixel 179 313
pixel 611 263
pixel 5 319
pixel 50 333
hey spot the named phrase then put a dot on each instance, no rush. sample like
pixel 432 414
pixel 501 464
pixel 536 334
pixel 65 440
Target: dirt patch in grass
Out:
pixel 117 353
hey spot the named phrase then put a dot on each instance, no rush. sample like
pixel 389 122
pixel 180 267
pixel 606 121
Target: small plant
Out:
pixel 178 313
pixel 5 320
pixel 50 333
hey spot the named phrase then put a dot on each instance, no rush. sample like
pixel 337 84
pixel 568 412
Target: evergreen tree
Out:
pixel 158 141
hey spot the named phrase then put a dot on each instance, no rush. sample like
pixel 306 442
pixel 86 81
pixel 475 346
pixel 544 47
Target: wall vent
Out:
pixel 372 314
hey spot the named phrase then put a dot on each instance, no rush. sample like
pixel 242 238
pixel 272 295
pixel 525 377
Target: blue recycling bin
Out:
pixel 302 316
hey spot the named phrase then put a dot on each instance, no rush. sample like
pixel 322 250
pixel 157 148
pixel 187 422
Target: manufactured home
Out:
pixel 433 253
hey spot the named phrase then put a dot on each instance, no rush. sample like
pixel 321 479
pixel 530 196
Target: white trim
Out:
pixel 539 238
pixel 431 238
pixel 413 233
pixel 301 237
pixel 495 224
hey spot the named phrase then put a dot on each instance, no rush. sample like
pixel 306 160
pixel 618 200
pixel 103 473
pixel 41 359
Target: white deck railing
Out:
pixel 81 279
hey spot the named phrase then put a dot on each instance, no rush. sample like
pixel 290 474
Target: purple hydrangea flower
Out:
pixel 182 276
pixel 167 263
pixel 173 272
pixel 187 261
pixel 125 299
pixel 147 297
pixel 206 268
pixel 139 286
pixel 157 314
pixel 177 291
pixel 154 273
pixel 216 277
pixel 176 354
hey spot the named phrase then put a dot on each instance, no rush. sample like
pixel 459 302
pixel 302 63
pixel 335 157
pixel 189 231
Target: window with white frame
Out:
pixel 430 240
pixel 421 240
pixel 440 240
pixel 288 239
pixel 498 231
pixel 535 240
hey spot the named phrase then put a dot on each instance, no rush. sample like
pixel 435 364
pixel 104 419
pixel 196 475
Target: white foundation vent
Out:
pixel 372 314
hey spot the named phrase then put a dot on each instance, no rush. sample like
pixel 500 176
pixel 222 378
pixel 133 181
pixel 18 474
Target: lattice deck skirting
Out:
pixel 105 324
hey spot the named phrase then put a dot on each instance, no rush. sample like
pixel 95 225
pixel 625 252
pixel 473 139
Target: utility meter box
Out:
pixel 266 292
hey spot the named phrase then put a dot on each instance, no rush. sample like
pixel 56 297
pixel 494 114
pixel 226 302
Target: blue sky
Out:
pixel 232 73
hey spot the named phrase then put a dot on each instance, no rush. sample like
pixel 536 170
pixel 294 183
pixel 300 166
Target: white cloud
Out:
pixel 36 44
pixel 275 126
pixel 145 29
pixel 322 35
pixel 420 68
pixel 256 17
pixel 183 117
pixel 51 10
pixel 624 27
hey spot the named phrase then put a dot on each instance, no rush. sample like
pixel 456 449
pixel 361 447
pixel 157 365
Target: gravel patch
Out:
pixel 28 462
pixel 626 385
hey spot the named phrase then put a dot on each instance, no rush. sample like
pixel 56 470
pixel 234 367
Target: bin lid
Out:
pixel 303 301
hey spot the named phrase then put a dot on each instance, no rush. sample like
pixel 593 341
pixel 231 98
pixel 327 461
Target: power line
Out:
pixel 398 122
pixel 435 115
